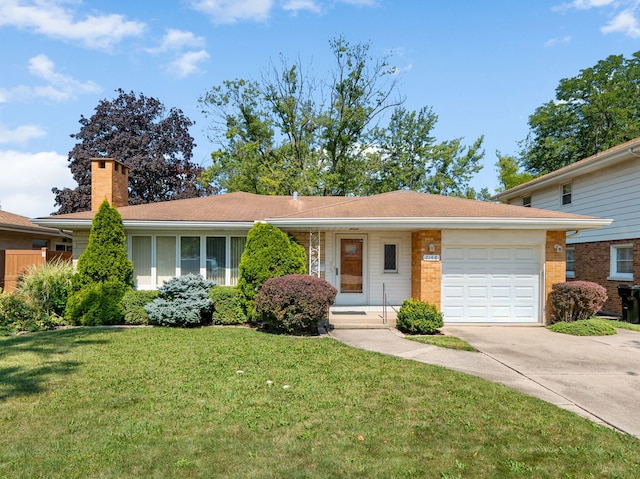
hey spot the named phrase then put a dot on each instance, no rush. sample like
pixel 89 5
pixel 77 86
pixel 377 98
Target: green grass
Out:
pixel 584 327
pixel 449 342
pixel 622 324
pixel 170 403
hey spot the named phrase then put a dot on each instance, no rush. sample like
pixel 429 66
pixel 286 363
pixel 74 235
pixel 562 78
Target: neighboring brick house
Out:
pixel 477 261
pixel 606 185
pixel 19 237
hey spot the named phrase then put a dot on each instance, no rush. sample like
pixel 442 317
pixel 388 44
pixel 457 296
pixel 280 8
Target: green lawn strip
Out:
pixel 156 403
pixel 622 324
pixel 450 342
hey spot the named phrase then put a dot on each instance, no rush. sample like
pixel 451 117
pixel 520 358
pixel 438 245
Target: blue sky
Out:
pixel 483 67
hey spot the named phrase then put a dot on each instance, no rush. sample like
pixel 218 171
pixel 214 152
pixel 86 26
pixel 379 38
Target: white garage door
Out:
pixel 490 284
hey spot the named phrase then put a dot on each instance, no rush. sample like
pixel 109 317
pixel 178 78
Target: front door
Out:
pixel 351 271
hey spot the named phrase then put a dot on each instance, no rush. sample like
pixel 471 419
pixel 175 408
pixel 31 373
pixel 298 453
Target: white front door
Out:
pixel 491 284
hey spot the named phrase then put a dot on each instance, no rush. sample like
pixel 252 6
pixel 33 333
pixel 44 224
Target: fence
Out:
pixel 14 262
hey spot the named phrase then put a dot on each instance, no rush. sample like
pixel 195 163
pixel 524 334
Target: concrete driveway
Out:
pixel 597 377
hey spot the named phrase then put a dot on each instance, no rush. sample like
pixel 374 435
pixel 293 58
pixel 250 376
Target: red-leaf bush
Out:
pixel 294 304
pixel 576 300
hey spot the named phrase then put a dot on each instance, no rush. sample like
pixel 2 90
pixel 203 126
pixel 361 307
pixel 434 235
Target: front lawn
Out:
pixel 233 402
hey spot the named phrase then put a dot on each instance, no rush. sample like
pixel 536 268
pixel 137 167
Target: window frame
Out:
pixel 526 201
pixel 570 273
pixel 396 245
pixel 566 193
pixel 614 274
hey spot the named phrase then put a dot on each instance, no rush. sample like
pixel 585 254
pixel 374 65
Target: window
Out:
pixel 141 257
pixel 189 255
pixel 217 259
pixel 39 244
pixel 390 258
pixel 622 262
pixel 571 262
pixel 526 201
pixel 237 248
pixel 566 194
pixel 165 258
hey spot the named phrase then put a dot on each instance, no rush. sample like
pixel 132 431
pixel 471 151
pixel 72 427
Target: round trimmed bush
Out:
pixel 576 300
pixel 96 304
pixel 133 304
pixel 294 304
pixel 183 301
pixel 227 305
pixel 418 317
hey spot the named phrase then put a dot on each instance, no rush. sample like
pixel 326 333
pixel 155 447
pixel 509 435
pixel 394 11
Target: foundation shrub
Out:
pixel 96 304
pixel 418 317
pixel 17 313
pixel 183 302
pixel 133 303
pixel 294 304
pixel 47 286
pixel 269 253
pixel 227 305
pixel 576 300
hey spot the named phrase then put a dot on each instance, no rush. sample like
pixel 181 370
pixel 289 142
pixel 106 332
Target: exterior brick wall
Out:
pixel 426 276
pixel 554 265
pixel 592 263
pixel 110 181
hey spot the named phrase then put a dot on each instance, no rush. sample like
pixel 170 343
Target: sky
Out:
pixel 483 67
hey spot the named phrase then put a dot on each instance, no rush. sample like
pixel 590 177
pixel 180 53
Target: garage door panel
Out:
pixel 490 284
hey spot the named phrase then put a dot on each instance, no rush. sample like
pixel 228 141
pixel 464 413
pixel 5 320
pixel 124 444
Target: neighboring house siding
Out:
pixel 610 192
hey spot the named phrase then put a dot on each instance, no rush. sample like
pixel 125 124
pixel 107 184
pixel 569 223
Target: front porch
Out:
pixel 362 317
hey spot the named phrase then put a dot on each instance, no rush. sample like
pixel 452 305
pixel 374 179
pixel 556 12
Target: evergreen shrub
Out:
pixel 227 305
pixel 418 317
pixel 269 253
pixel 96 304
pixel 576 300
pixel 183 302
pixel 294 304
pixel 133 303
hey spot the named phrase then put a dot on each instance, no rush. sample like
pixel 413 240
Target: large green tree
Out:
pixel 293 132
pixel 593 111
pixel 139 131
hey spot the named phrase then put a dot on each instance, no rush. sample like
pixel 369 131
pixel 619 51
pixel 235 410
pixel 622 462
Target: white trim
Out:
pixel 613 263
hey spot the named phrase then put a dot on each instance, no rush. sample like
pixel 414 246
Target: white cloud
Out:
pixel 552 42
pixel 625 22
pixel 177 40
pixel 50 18
pixel 187 63
pixel 294 6
pixel 59 87
pixel 231 11
pixel 21 134
pixel 27 179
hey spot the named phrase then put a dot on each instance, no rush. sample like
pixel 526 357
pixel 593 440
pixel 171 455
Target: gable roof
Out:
pixel 22 224
pixel 617 154
pixel 398 210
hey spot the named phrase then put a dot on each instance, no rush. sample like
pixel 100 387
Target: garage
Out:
pixel 491 283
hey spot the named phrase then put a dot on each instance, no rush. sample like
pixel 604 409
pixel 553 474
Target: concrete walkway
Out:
pixel 597 377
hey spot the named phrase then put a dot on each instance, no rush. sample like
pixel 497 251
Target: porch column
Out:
pixel 555 266
pixel 426 276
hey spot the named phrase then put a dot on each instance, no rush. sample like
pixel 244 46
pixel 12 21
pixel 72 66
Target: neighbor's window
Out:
pixel 189 255
pixel 40 243
pixel 390 258
pixel 141 257
pixel 571 262
pixel 622 262
pixel 566 194
pixel 526 201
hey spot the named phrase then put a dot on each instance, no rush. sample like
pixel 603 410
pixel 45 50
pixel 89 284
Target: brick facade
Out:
pixel 426 276
pixel 592 263
pixel 554 266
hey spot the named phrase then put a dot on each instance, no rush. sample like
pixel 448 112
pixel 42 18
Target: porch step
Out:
pixel 361 320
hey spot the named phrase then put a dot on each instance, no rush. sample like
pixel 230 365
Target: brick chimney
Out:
pixel 110 181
